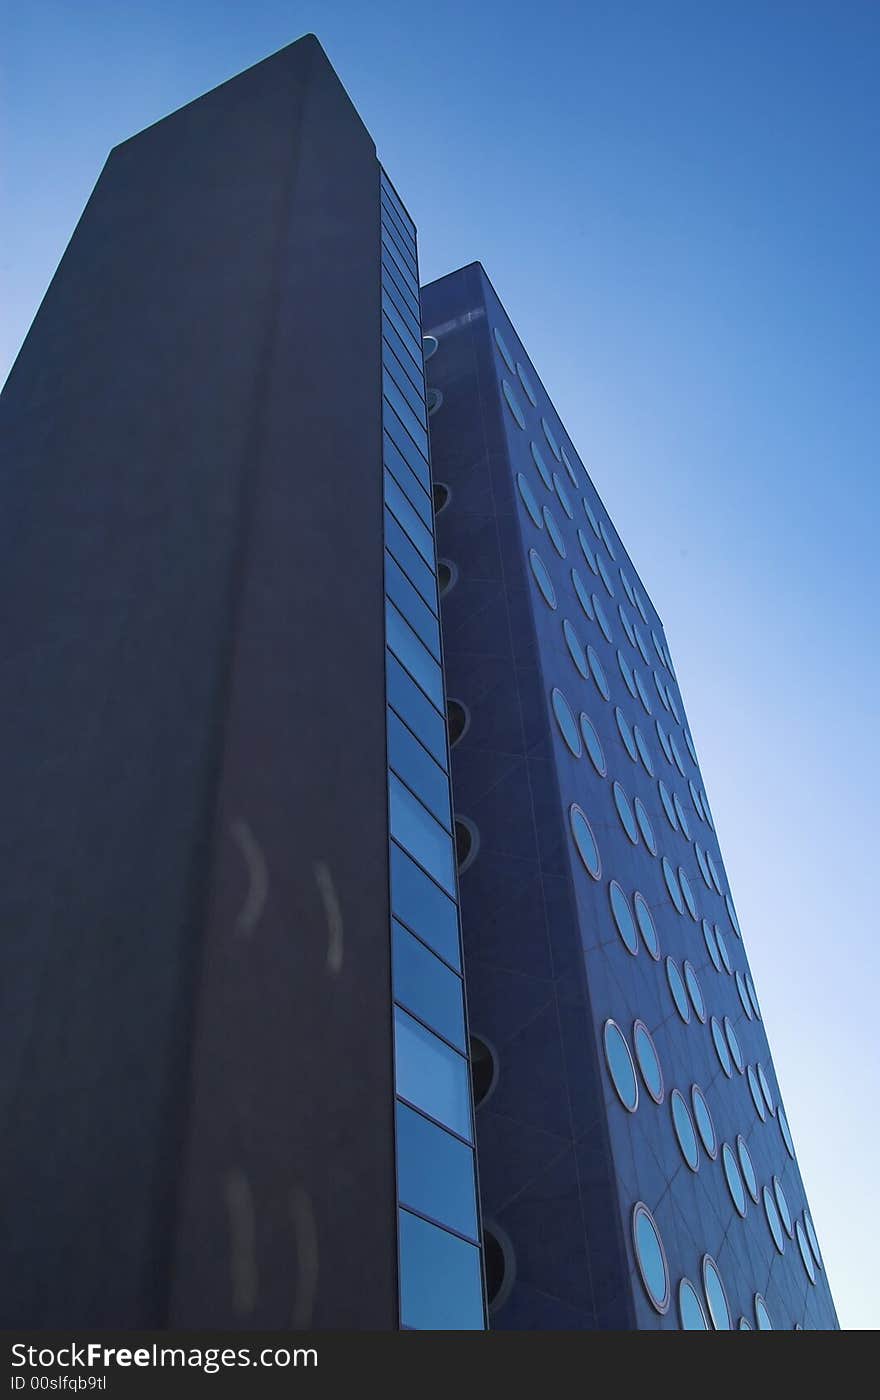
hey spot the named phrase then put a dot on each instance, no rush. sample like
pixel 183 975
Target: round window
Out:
pixel 625 733
pixel 627 674
pixel 575 650
pixel 720 1044
pixel 649 1061
pixel 711 945
pixel 505 353
pixel 773 1220
pixel 551 440
pixel 542 578
pixel 647 927
pixel 668 806
pixel 684 1130
pixel 733 1045
pixel 554 532
pixel 645 826
pixel 572 474
pixel 734 921
pixel 695 991
pixel 627 625
pixel 484 1069
pixel 513 404
pixel 747 1168
pixel 680 813
pixel 594 524
pixel 593 745
pixel 543 469
pixel 587 552
pixel 430 346
pixel 563 498
pixel 804 1250
pixel 527 385
pixel 743 994
pixel 672 885
pixel 643 694
pixel 625 812
pixel 765 1089
pixel 603 573
pixel 583 596
pixel 762 1316
pixel 664 740
pixel 623 917
pixel 757 1096
pixel 719 1310
pixel 566 721
pixel 690 1309
pixel 602 620
pixel 433 401
pixel 598 674
pixel 528 500
pixel 585 841
pixel 644 751
pixel 733 1178
pixel 676 987
pixel 782 1207
pixel 620 1066
pixel 687 893
pixel 650 1257
pixel 703 1118
pixel 457 721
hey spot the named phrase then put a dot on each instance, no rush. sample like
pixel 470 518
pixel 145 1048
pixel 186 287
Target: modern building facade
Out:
pixel 636 1164
pixel 238 1077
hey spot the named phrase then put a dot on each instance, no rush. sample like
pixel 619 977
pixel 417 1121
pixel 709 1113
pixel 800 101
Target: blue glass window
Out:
pixel 417 659
pixel 593 745
pixel 435 1172
pixel 412 762
pixel 414 609
pixel 404 350
pixel 399 544
pixel 409 420
pixel 398 502
pixel 413 706
pixel 441 1287
pixel 403 327
pixel 431 1075
pixel 397 434
pixel 420 834
pixel 418 901
pixel 543 469
pixel 397 371
pixel 427 987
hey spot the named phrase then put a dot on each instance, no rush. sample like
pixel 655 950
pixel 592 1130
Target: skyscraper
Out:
pixel 636 1164
pixel 237 1068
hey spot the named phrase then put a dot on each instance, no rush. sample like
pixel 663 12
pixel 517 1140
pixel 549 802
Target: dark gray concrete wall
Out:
pixel 195 1058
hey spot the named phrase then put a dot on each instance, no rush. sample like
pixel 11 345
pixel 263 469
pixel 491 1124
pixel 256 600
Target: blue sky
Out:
pixel 679 206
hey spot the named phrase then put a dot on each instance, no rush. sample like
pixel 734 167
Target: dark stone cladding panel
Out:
pixel 197 1079
pixel 545 1170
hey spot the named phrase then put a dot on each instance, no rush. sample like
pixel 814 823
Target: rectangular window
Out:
pixel 391 229
pixel 417 659
pixel 399 447
pixel 398 542
pixel 397 205
pixel 406 516
pixel 413 347
pixel 404 271
pixel 407 601
pixel 441 1285
pixel 398 220
pixel 412 762
pixel 435 1172
pixel 409 420
pixel 415 707
pixel 404 355
pixel 413 325
pixel 418 901
pixel 391 273
pixel 427 988
pixel 431 1075
pixel 414 397
pixel 421 834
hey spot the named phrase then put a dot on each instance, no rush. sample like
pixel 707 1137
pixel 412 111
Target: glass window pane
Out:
pixel 393 277
pixel 403 268
pixel 402 244
pixel 416 461
pixel 403 351
pixel 411 473
pixel 403 330
pixel 418 901
pixel 402 220
pixel 395 369
pixel 417 659
pixel 416 767
pixel 435 1172
pixel 427 987
pixel 398 300
pixel 398 502
pixel 420 834
pixel 416 709
pixel 404 412
pixel 398 542
pixel 408 602
pixel 431 1074
pixel 441 1286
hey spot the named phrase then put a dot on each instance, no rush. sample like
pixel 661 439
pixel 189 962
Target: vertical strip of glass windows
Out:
pixel 441 1271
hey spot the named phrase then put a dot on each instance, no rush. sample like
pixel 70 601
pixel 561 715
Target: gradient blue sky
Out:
pixel 678 203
